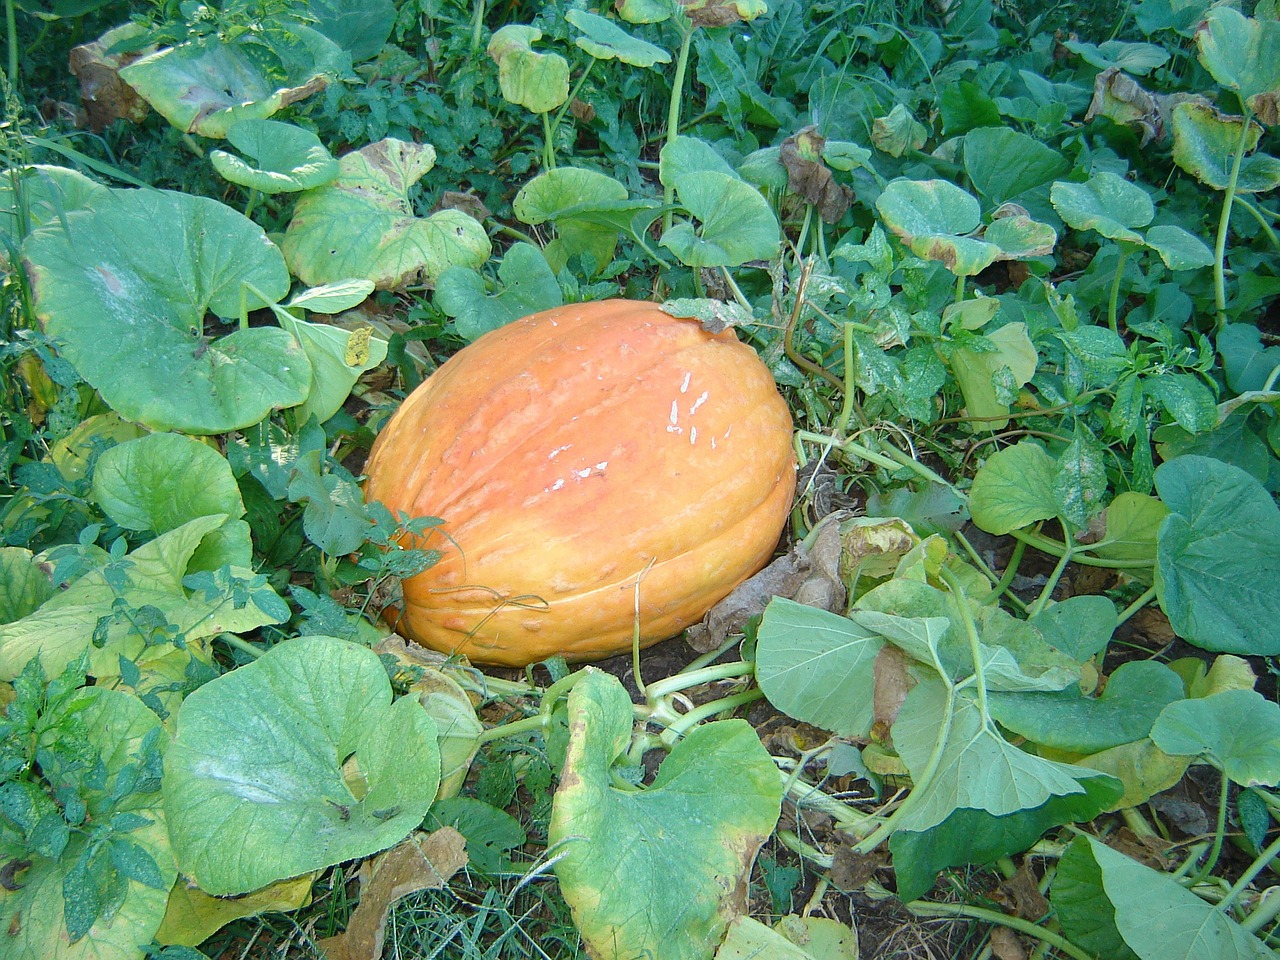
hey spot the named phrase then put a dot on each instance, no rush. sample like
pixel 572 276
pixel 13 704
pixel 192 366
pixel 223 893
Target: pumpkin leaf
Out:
pixel 1205 142
pixel 539 82
pixel 289 158
pixel 1243 54
pixel 363 225
pixel 933 218
pixel 360 27
pixel 289 756
pixel 736 223
pixel 661 869
pixel 526 285
pixel 24 585
pixel 817 667
pixel 1238 731
pixel 1107 203
pixel 605 40
pixel 1155 916
pixel 99 287
pixel 1003 163
pixel 206 87
pixel 988 377
pixel 192 916
pixel 1216 562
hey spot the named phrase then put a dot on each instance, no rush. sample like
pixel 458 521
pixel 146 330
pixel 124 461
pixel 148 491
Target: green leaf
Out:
pixel 1184 397
pixel 1238 731
pixel 24 584
pixel 491 833
pixel 161 481
pixel 48 194
pixel 1080 481
pixel 1216 561
pixel 976 837
pixel 363 225
pixel 605 40
pixel 1067 720
pixel 898 132
pixel 1138 59
pixel 1158 918
pixel 37 915
pixel 63 627
pixel 289 158
pixel 334 518
pixel 1205 142
pixel 1246 363
pixel 1020 238
pixel 932 218
pixel 1079 626
pixel 101 289
pixel 527 285
pixel 1133 522
pixel 287 760
pixel 539 82
pixel 964 106
pixel 1011 364
pixel 1179 249
pixel 977 769
pixel 337 361
pixel 736 223
pixel 206 87
pixel 660 870
pixel 1087 916
pixel 1243 54
pixel 1107 203
pixel 360 27
pixel 816 666
pixel 457 726
pixel 330 298
pixel 192 916
pixel 1014 488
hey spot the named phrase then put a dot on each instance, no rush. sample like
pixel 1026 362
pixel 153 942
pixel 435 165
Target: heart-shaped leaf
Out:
pixel 1216 561
pixel 288 158
pixel 816 666
pixel 1238 731
pixel 101 289
pixel 1107 203
pixel 605 40
pixel 933 218
pixel 536 81
pixel 527 286
pixel 205 87
pixel 363 224
pixel 1205 142
pixel 288 761
pixel 658 871
pixel 1243 54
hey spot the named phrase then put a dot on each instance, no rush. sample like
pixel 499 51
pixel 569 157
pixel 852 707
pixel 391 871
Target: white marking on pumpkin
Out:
pixel 693 435
pixel 602 464
pixel 558 450
pixel 557 485
pixel 684 384
pixel 675 413
pixel 699 402
pixel 583 473
pixel 713 443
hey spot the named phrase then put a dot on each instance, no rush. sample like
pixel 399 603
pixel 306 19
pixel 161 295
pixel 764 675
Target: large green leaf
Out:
pixel 363 224
pixel 536 81
pixel 816 666
pixel 658 871
pixel 101 288
pixel 605 40
pixel 33 911
pixel 1238 731
pixel 1069 721
pixel 977 769
pixel 1155 916
pixel 161 481
pixel 24 585
pixel 288 764
pixel 1205 142
pixel 338 358
pixel 527 285
pixel 1107 203
pixel 48 193
pixel 288 158
pixel 205 86
pixel 1003 164
pixel 1014 488
pixel 360 27
pixel 1216 558
pixel 62 628
pixel 1010 361
pixel 934 218
pixel 1243 54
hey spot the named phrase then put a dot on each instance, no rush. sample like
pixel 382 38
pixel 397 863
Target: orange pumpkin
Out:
pixel 578 457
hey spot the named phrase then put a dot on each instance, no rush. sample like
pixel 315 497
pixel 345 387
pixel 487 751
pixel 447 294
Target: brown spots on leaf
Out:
pixel 809 177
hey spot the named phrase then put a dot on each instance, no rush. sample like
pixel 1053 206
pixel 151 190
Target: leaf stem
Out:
pixel 926 908
pixel 1220 830
pixel 239 643
pixel 1260 863
pixel 673 109
pixel 1046 594
pixel 1113 302
pixel 1056 548
pixel 1224 221
pixel 971 634
pixel 534 724
pixel 1147 596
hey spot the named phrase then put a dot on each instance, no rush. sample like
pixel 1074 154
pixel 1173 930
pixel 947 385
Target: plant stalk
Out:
pixel 1224 221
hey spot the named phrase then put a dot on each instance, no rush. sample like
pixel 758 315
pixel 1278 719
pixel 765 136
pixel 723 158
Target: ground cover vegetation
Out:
pixel 1009 689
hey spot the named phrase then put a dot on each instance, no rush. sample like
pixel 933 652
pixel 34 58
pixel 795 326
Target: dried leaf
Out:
pixel 105 97
pixel 1005 945
pixel 1023 892
pixel 422 862
pixel 851 870
pixel 892 684
pixel 809 177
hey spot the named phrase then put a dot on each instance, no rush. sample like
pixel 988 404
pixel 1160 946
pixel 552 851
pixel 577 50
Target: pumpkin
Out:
pixel 588 462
